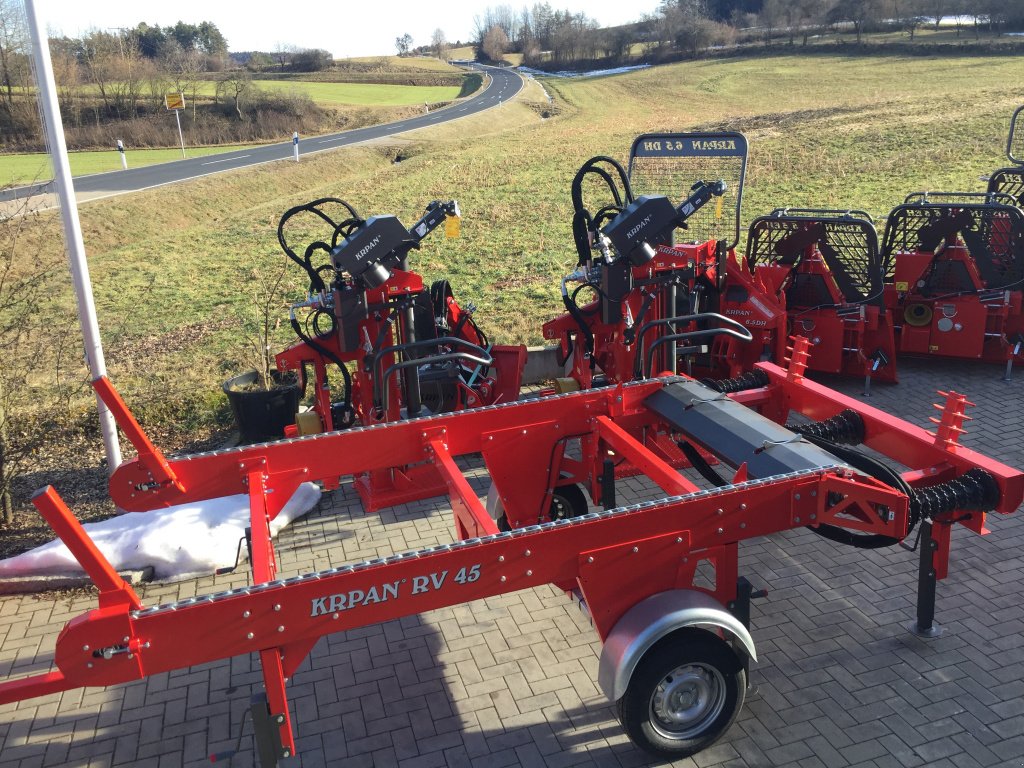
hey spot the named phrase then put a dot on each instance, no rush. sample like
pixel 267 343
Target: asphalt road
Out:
pixel 503 86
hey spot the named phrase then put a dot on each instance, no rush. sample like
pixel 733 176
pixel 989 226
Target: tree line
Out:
pixel 546 36
pixel 111 84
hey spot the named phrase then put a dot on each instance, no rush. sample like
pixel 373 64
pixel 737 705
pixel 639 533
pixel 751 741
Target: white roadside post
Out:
pixel 295 145
pixel 124 159
pixel 175 102
pixel 72 226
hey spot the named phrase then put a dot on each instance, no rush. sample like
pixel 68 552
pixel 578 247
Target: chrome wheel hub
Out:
pixel 687 700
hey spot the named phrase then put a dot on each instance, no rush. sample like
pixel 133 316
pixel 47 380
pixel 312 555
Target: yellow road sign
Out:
pixel 174 100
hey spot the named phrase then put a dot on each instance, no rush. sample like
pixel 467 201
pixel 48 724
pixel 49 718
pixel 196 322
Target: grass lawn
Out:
pixel 350 94
pixel 26 168
pixel 824 131
pixel 400 63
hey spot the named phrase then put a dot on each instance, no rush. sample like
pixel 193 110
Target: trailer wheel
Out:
pixel 683 695
pixel 566 501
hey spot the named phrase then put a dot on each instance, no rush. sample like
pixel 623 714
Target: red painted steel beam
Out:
pixel 294 612
pixel 34 686
pixel 114 590
pixel 470 514
pixel 327 456
pixel 908 444
pixel 643 458
pixel 150 457
pixel 264 567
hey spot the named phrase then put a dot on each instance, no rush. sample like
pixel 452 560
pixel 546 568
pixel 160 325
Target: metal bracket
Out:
pixel 740 608
pixel 266 732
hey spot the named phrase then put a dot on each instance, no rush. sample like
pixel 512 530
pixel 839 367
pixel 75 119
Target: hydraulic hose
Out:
pixel 316 283
pixel 581 321
pixel 325 352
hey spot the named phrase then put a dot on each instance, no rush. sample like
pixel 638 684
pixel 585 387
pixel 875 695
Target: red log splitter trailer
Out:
pixel 675 655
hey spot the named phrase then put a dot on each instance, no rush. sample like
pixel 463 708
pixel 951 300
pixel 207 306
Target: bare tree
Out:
pixel 774 15
pixel 812 16
pixel 859 13
pixel 234 85
pixel 403 44
pixel 68 75
pixel 183 67
pixel 132 71
pixel 25 320
pixel 99 58
pixel 13 52
pixel 439 43
pixel 494 44
pixel 938 9
pixel 283 55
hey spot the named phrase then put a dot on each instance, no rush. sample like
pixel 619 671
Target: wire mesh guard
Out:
pixel 1009 181
pixel 993 234
pixel 848 246
pixel 671 163
pixel 1015 144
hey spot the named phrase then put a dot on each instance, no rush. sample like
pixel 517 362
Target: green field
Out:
pixel 824 132
pixel 27 168
pixel 352 94
pixel 407 63
pixel 360 94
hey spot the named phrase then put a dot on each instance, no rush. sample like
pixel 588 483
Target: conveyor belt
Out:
pixel 735 433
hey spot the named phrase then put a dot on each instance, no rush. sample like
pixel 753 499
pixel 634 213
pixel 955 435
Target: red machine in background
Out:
pixel 825 269
pixel 957 263
pixel 412 351
pixel 668 163
pixel 654 304
pixel 1010 180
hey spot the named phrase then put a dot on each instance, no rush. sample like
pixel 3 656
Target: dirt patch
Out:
pixel 544 110
pixel 137 351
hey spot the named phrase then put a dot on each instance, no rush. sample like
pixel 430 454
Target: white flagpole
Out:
pixel 72 226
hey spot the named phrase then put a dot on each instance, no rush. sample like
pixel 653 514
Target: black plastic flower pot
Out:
pixel 262 414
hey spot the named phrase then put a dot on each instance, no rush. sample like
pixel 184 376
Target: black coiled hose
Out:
pixel 585 224
pixel 975 490
pixel 749 380
pixel 845 427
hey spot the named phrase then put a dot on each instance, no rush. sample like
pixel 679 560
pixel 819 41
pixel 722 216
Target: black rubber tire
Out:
pixel 692 652
pixel 567 501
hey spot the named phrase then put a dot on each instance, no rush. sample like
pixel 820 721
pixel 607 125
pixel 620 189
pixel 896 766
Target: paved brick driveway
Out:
pixel 511 681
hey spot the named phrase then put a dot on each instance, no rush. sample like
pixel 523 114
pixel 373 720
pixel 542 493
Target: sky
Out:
pixel 343 27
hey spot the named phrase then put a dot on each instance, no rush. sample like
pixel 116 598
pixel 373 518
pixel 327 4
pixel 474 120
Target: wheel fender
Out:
pixel 653 618
pixel 494 505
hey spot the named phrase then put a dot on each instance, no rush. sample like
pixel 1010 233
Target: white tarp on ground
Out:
pixel 178 542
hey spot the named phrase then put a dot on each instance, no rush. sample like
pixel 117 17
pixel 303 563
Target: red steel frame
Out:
pixel 599 554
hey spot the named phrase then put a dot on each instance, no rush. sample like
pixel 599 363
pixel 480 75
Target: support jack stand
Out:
pixel 740 608
pixel 924 626
pixel 267 733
